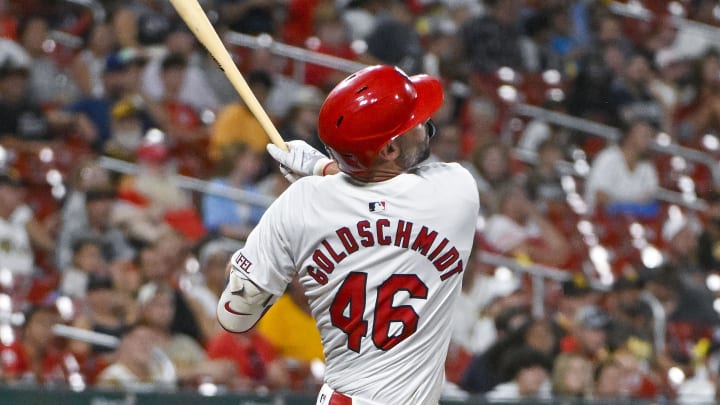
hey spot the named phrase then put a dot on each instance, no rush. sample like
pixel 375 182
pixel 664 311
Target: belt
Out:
pixel 339 399
pixel 329 396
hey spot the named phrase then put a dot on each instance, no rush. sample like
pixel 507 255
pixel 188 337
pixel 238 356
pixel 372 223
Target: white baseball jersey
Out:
pixel 381 264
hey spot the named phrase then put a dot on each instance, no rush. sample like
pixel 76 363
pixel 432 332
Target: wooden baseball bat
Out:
pixel 196 19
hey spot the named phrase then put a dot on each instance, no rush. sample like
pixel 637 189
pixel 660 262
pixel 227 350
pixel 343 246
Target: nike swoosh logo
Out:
pixel 232 311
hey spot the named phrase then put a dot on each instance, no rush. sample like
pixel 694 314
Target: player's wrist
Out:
pixel 322 166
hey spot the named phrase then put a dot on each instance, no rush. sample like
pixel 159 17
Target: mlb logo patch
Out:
pixel 376 206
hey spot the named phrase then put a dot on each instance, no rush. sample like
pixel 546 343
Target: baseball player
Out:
pixel 379 245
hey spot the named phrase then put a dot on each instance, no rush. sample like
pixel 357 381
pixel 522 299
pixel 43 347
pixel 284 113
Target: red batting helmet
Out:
pixel 372 107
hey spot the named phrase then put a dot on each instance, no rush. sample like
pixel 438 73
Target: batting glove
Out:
pixel 301 160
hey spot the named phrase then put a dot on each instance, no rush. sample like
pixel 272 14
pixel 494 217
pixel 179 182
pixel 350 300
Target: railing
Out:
pixel 613 134
pixel 662 194
pixel 538 274
pixel 194 184
pixel 295 53
pixel 637 11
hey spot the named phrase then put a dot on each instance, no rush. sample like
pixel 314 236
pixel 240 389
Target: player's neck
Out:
pixel 381 172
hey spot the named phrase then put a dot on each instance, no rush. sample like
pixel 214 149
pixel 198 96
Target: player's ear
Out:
pixel 390 152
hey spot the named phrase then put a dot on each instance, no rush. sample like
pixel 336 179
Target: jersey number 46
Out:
pixel 348 308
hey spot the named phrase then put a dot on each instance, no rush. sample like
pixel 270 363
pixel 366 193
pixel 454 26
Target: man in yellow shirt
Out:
pixel 289 326
pixel 236 123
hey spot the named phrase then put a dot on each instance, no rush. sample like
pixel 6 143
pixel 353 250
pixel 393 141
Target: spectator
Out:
pixel 572 376
pixel 105 309
pixel 611 381
pixel 442 52
pixel 670 86
pixel 492 41
pixel 590 91
pixel 544 183
pixel 160 262
pixel 483 371
pixel 157 310
pixel 291 329
pixel 631 94
pixel 538 131
pixel 588 336
pixel 298 24
pixel 479 116
pixel 680 234
pixel 534 44
pixel 125 27
pixel 526 375
pixel 88 65
pixel 640 379
pixel 235 122
pixel 16 254
pixel 45 79
pixel 251 17
pixel 484 297
pixel 360 16
pixel 519 229
pixel 24 127
pixel 87 261
pixel 575 294
pixel 154 183
pixel 562 48
pixel 139 364
pixel 682 300
pixel 117 84
pixel 704 116
pixel 622 179
pixel 147 24
pixel 87 175
pixel 232 219
pixel 446 146
pixel 301 120
pixel 183 123
pixel 610 31
pixel 492 168
pixel 194 87
pixel 256 360
pixel 275 100
pixel 709 239
pixel 394 40
pixel 208 284
pixel 332 39
pixel 127 130
pixel 42 358
pixel 631 318
pixel 98 207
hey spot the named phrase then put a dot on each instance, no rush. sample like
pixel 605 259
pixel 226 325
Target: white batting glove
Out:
pixel 290 176
pixel 301 160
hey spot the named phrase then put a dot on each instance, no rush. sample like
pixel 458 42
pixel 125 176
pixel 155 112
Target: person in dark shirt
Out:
pixel 492 40
pixel 709 239
pixel 251 17
pixel 394 39
pixel 24 126
pixel 117 83
pixel 19 118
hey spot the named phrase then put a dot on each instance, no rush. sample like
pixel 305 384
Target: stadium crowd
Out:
pixel 139 259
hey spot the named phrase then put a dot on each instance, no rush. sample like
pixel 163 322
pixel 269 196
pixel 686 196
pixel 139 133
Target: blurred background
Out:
pixel 130 170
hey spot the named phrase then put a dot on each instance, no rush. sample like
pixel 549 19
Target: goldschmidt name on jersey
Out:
pixel 327 255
